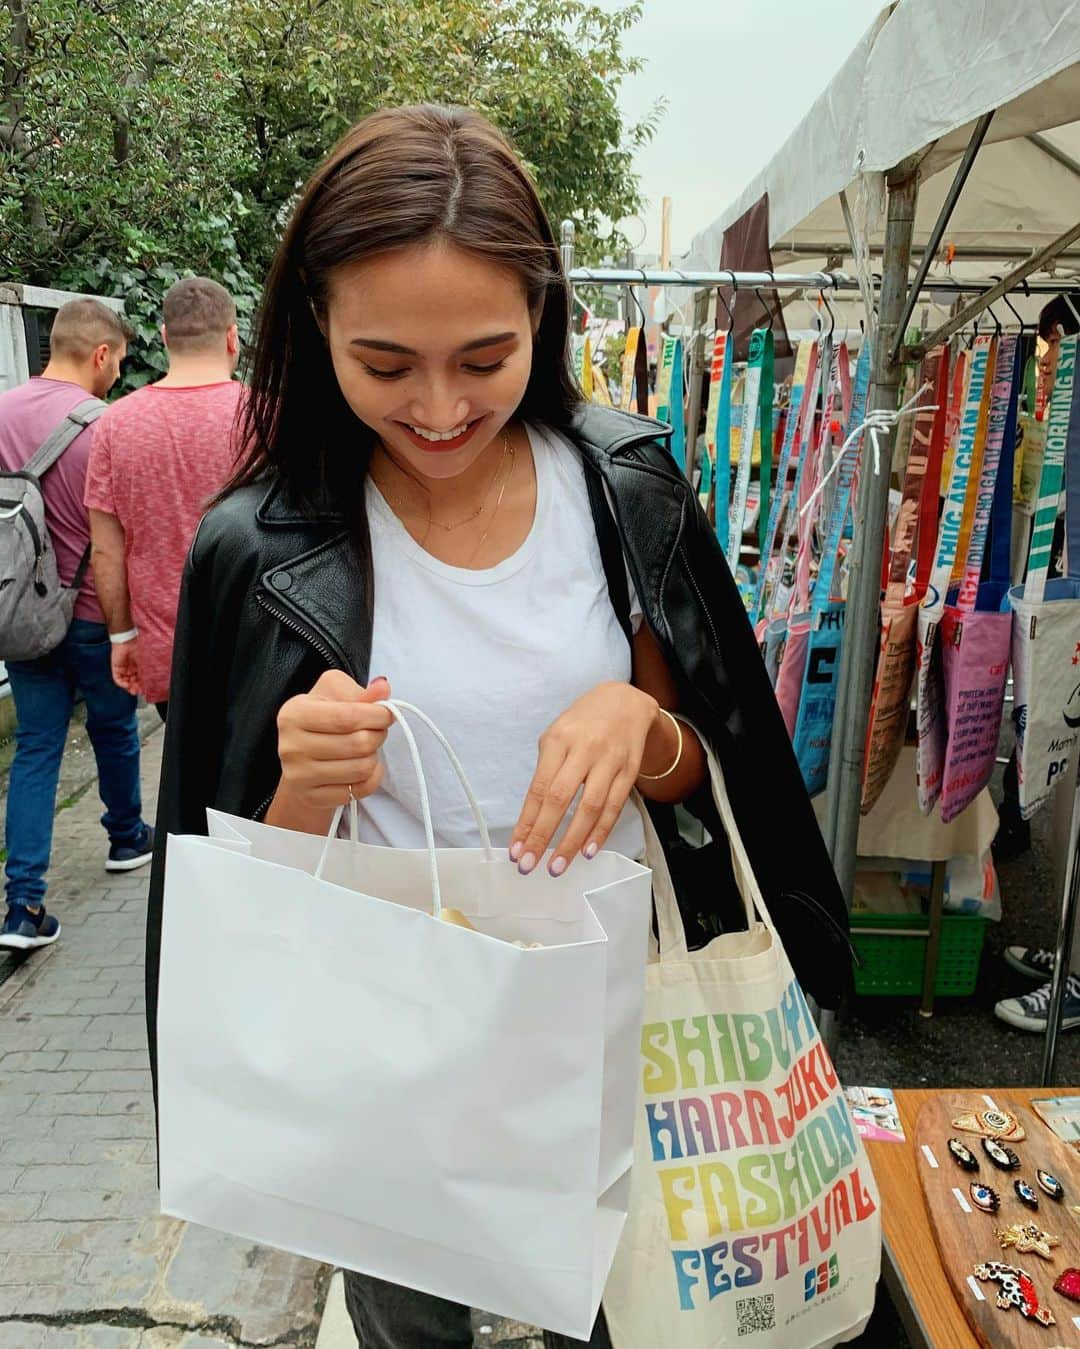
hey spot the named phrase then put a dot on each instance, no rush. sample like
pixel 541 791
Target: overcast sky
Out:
pixel 737 75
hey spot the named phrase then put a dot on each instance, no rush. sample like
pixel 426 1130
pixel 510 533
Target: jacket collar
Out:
pixel 324 593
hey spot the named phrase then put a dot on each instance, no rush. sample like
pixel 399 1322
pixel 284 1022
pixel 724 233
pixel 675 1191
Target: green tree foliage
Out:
pixel 547 72
pixel 140 141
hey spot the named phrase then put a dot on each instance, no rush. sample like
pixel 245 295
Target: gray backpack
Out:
pixel 35 609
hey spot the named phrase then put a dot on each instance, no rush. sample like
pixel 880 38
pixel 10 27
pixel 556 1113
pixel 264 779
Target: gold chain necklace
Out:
pixel 403 509
pixel 498 503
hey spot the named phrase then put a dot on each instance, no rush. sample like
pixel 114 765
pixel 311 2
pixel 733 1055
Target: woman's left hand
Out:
pixel 597 744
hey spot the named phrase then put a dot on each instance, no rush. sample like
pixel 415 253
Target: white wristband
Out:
pixel 119 638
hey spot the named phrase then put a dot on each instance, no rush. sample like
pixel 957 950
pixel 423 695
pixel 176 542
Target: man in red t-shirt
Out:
pixel 158 457
pixel 87 344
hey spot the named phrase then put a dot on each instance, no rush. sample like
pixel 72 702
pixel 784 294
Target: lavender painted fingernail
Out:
pixel 527 863
pixel 515 851
pixel 591 851
pixel 558 866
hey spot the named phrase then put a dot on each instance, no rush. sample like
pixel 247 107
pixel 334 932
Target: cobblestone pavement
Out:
pixel 86 1259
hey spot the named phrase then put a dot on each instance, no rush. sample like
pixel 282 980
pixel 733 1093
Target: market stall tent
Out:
pixel 948 137
pixel 913 90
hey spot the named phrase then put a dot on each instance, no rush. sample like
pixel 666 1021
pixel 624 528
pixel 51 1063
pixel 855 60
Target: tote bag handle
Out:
pixel 398 708
pixel 669 923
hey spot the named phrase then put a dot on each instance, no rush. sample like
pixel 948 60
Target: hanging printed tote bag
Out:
pixel 788 462
pixel 756 418
pixel 817 701
pixel 1046 614
pixel 791 633
pixel 718 430
pixel 780 599
pixel 976 630
pixel 929 677
pixel 634 339
pixel 669 396
pixel 891 699
pixel 752 1205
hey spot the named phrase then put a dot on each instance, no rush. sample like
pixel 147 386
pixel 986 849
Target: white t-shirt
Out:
pixel 492 657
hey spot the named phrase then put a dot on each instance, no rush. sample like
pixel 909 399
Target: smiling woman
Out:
pixel 424 493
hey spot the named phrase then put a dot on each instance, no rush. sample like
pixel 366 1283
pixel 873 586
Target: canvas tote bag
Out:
pixel 817 701
pixel 753 1209
pixel 891 698
pixel 787 637
pixel 929 677
pixel 394 1094
pixel 1046 614
pixel 976 630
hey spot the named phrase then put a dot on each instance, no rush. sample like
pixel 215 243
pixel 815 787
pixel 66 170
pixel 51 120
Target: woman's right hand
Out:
pixel 328 743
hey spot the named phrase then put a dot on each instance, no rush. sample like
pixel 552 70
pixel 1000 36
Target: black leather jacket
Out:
pixel 271 598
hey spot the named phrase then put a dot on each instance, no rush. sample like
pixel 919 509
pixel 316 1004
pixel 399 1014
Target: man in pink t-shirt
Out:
pixel 87 343
pixel 158 457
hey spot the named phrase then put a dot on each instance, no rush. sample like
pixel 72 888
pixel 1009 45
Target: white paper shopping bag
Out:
pixel 343 1076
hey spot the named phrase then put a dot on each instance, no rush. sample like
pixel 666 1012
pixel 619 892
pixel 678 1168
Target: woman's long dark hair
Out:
pixel 400 177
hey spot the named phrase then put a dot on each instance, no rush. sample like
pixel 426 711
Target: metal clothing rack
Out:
pixel 896 295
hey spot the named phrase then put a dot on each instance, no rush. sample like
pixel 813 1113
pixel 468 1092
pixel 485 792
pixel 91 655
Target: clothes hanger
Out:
pixel 727 308
pixel 827 336
pixel 1016 314
pixel 637 303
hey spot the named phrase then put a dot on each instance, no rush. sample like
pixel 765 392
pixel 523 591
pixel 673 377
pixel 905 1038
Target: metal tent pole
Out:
pixel 941 224
pixel 1069 900
pixel 864 580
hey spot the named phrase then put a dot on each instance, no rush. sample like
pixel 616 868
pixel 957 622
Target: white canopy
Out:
pixel 913 88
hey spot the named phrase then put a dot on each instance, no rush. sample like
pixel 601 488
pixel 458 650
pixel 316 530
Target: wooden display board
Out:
pixel 967 1238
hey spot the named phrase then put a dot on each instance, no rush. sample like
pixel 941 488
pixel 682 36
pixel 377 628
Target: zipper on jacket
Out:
pixel 700 598
pixel 332 661
pixel 320 647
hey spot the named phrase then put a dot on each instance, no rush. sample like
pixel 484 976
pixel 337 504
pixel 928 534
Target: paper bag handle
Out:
pixel 398 707
pixel 669 923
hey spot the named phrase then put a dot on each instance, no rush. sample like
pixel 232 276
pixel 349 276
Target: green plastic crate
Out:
pixel 893 965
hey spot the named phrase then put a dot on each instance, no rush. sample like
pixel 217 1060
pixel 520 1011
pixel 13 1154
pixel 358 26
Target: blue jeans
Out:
pixel 44 692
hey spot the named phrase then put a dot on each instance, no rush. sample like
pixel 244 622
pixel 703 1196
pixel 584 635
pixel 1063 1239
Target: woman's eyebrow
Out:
pixel 376 344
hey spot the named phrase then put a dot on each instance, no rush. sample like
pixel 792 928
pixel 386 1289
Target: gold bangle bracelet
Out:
pixel 656 777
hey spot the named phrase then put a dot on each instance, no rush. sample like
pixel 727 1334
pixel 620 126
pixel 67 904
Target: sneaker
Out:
pixel 1029 1012
pixel 130 856
pixel 23 930
pixel 1031 960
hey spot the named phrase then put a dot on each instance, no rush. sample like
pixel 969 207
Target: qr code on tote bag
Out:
pixel 756 1313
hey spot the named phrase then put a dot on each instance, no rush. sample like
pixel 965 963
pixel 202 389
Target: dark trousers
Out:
pixel 386 1316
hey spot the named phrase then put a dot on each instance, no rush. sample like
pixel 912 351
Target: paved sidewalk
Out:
pixel 86 1259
